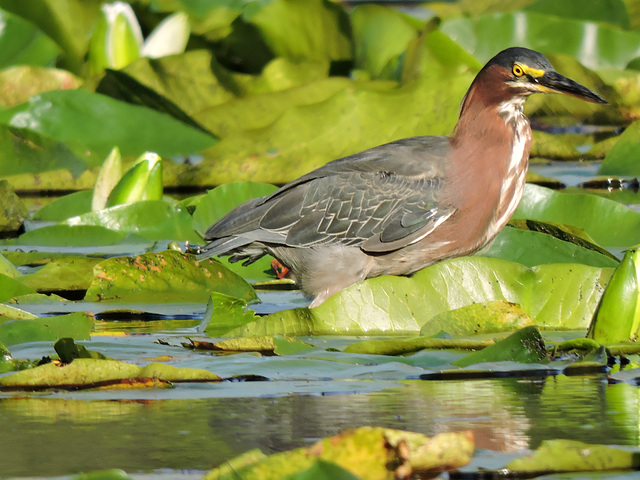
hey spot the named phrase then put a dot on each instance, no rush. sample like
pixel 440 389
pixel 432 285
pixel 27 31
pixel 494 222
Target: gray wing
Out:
pixel 381 200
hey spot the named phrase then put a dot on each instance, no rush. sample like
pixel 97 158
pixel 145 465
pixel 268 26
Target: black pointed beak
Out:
pixel 553 82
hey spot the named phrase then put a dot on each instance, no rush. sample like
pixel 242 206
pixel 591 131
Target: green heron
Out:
pixel 402 206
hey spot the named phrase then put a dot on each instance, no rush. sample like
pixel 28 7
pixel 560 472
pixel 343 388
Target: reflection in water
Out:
pixel 55 436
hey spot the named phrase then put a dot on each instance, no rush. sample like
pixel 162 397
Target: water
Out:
pixel 65 433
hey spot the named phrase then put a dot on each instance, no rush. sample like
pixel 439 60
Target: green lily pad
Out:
pixel 415 344
pixel 489 317
pixel 63 273
pixel 68 23
pixel 543 243
pixel 14 313
pixel 322 470
pixel 164 277
pixel 312 30
pixel 188 80
pixel 151 219
pixel 366 452
pixel 525 346
pixel 575 456
pixel 88 372
pixel 485 35
pixel 613 12
pixel 10 288
pixel 353 117
pixel 219 201
pixel 12 210
pixel 24 153
pixel 68 350
pixel 110 474
pixel 64 207
pixel 381 37
pixel 68 115
pixel 21 43
pixel 71 235
pixel 75 325
pixel 554 296
pixel 609 223
pixel 7 268
pixel 622 159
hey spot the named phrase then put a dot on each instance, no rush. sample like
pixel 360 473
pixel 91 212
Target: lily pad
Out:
pixel 312 30
pixel 554 296
pixel 525 346
pixel 70 235
pixel 164 277
pixel 63 273
pixel 622 159
pixel 366 452
pixel 575 456
pixel 220 200
pixel 76 325
pixel 11 288
pixel 7 268
pixel 22 43
pixel 543 243
pixel 151 219
pixel 64 207
pixel 24 151
pixel 609 223
pixel 489 317
pixel 68 23
pixel 485 35
pixel 12 210
pixel 69 115
pixel 18 83
pixel 90 372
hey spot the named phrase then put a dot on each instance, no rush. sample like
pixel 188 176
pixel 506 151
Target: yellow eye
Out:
pixel 518 71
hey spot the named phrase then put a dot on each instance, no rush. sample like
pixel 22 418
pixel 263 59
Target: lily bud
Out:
pixel 116 39
pixel 143 181
pixel 618 316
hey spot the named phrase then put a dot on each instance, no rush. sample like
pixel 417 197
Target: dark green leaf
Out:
pixel 68 350
pixel 21 43
pixel 68 22
pixel 69 115
pixel 381 37
pixel 309 30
